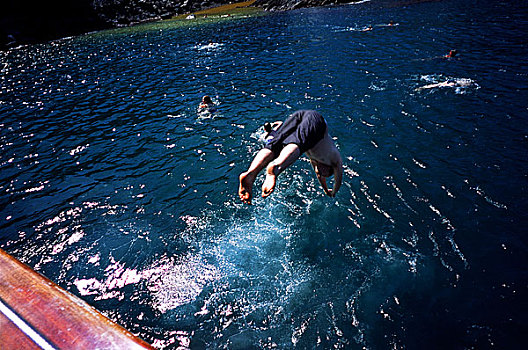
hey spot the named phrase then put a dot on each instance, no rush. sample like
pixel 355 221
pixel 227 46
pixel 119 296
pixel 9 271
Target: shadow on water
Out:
pixel 117 188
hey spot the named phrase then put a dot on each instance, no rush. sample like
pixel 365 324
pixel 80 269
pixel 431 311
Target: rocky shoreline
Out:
pixel 285 5
pixel 42 21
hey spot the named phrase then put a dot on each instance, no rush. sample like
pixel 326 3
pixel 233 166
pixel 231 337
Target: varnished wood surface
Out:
pixel 60 318
pixel 13 338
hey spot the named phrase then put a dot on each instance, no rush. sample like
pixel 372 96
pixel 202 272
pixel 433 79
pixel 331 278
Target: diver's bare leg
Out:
pixel 245 189
pixel 289 154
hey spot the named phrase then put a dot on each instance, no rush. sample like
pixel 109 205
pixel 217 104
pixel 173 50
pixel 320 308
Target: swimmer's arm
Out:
pixel 430 86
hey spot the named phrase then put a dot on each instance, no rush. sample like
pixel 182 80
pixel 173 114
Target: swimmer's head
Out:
pixel 207 99
pixel 267 127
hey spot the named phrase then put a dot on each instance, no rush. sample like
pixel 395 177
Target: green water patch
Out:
pixel 214 15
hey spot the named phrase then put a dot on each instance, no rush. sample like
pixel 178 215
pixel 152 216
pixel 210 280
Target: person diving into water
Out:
pixel 305 131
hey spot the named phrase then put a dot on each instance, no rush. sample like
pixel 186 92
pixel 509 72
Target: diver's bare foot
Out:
pixel 245 189
pixel 269 183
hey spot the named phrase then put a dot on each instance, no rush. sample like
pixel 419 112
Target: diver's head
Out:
pixel 324 170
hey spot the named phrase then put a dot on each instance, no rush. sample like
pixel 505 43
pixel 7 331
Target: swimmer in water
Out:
pixel 449 83
pixel 207 104
pixel 451 54
pixel 304 131
pixel 271 131
pixel 369 28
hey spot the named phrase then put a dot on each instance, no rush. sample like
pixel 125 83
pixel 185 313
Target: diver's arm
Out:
pixel 338 177
pixel 322 179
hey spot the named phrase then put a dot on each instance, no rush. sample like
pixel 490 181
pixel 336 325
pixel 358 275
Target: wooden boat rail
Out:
pixel 35 313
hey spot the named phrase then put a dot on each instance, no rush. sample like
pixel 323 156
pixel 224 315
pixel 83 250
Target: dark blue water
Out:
pixel 115 187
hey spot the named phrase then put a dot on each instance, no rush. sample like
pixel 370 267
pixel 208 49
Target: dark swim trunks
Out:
pixel 304 128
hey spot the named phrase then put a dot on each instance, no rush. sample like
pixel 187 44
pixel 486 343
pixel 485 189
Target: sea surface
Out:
pixel 115 186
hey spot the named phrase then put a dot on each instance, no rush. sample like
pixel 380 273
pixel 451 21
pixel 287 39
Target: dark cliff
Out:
pixel 23 22
pixel 37 21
